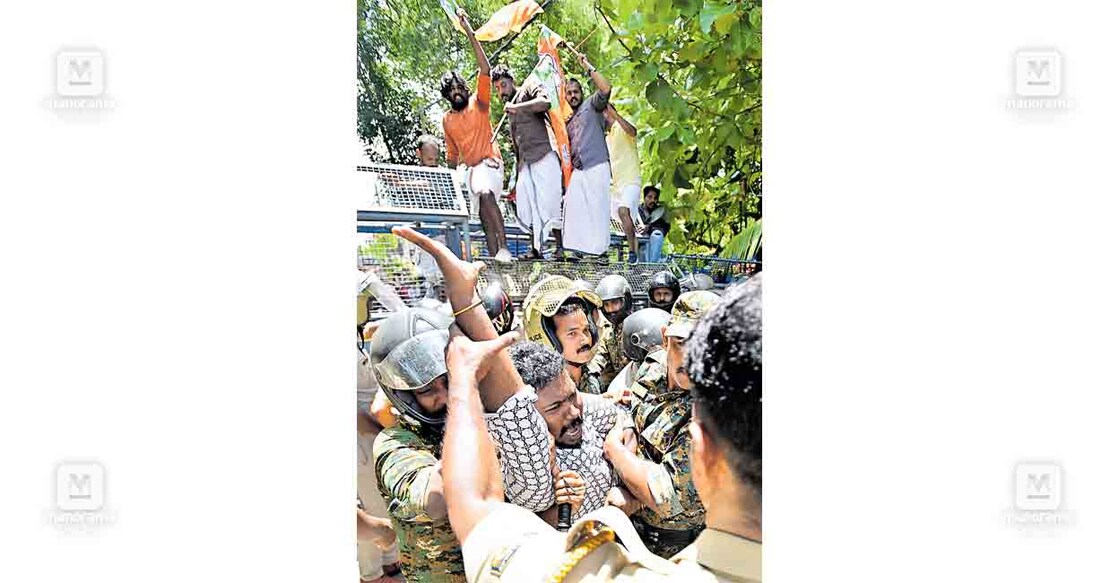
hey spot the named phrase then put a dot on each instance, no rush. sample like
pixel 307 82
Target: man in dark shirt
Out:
pixel 586 214
pixel 652 221
pixel 539 177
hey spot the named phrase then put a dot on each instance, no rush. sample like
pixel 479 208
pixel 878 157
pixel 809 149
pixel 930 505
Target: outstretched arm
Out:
pixel 600 83
pixel 626 126
pixel 460 278
pixel 473 480
pixel 479 52
pixel 538 105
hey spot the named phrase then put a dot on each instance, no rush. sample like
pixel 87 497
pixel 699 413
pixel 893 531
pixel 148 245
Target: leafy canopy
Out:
pixel 686 73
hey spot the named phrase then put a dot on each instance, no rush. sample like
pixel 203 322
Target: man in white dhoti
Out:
pixel 539 177
pixel 586 211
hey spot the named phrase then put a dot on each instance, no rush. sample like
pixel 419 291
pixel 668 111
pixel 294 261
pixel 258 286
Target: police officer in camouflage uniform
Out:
pixel 563 316
pixel 661 475
pixel 617 304
pixel 407 352
pixel 502 542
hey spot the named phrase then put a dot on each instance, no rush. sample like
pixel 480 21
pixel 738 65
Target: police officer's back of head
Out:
pixel 724 363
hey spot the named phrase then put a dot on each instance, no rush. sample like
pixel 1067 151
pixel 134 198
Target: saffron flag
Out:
pixel 509 18
pixel 549 73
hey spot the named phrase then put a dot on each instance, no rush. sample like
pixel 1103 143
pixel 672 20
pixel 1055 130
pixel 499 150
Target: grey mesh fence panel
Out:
pixel 412 188
pixel 519 276
pixel 723 271
pixel 402 266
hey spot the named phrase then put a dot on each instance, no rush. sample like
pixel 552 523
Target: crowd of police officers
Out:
pixel 456 431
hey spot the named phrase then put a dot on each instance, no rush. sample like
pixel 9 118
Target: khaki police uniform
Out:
pixel 512 544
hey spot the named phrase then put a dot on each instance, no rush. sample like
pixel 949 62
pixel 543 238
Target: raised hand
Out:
pixel 473 359
pixel 459 276
pixel 464 20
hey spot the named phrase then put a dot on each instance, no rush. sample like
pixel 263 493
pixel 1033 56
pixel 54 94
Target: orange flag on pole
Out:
pixel 509 18
pixel 549 73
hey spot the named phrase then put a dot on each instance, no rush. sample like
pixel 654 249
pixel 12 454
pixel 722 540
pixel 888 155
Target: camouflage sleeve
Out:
pixel 601 360
pixel 404 470
pixel 521 437
pixel 647 377
pixel 671 482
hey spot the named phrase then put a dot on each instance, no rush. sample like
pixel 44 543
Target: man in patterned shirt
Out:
pixel 515 425
pixel 661 477
pixel 579 424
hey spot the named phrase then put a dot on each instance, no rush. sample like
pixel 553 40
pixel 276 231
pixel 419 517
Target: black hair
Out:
pixel 645 192
pixel 724 363
pixel 573 80
pixel 572 305
pixel 449 80
pixel 537 365
pixel 501 71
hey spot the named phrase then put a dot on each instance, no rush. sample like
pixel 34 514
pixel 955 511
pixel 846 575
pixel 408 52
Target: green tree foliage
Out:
pixel 686 73
pixel 692 80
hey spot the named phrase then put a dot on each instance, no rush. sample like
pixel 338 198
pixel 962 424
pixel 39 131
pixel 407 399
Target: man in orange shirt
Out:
pixel 469 137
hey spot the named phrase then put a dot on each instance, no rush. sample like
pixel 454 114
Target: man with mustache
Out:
pixel 579 424
pixel 586 212
pixel 539 177
pixel 561 316
pixel 502 542
pixel 661 476
pixel 469 137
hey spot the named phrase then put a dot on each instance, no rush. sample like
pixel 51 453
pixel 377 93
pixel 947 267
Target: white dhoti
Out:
pixel 539 193
pixel 487 176
pixel 586 210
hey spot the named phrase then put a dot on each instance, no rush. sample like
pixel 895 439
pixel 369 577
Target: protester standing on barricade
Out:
pixel 586 210
pixel 469 137
pixel 539 176
pixel 502 542
pixel 625 170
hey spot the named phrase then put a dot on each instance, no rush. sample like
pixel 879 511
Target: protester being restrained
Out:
pixel 578 423
pixel 586 211
pixel 504 543
pixel 539 176
pixel 469 138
